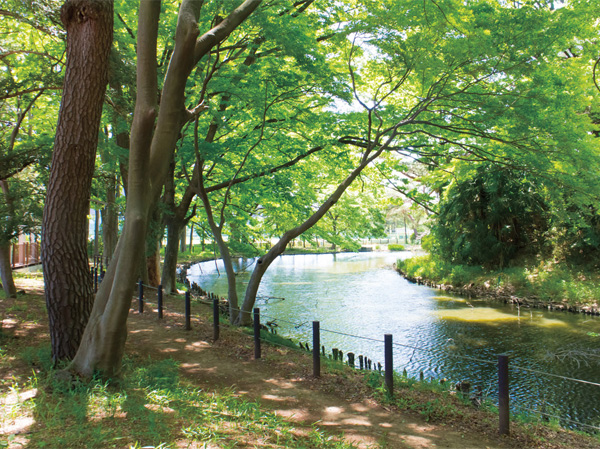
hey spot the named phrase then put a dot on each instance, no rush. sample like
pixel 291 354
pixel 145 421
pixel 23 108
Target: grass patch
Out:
pixel 149 406
pixel 433 400
pixel 548 282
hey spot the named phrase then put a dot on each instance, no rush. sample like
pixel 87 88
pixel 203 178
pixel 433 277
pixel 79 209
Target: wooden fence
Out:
pixel 25 254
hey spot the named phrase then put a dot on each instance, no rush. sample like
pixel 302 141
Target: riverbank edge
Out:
pixel 490 293
pixel 186 265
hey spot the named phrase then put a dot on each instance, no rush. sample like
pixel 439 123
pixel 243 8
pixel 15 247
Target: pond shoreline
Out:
pixel 489 293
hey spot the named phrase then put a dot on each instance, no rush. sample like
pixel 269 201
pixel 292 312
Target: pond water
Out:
pixel 358 298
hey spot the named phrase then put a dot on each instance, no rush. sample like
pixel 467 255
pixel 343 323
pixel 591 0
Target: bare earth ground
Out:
pixel 281 381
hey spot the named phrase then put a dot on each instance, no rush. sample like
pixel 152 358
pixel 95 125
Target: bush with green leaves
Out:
pixel 490 215
pixel 395 247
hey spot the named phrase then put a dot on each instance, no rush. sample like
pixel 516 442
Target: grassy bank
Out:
pixel 546 282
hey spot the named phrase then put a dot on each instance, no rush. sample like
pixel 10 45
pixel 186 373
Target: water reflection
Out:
pixel 441 335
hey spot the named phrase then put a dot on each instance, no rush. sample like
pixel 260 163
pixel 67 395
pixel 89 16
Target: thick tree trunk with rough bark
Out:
pixel 151 149
pixel 6 276
pixel 69 293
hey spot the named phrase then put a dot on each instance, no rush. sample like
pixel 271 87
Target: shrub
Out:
pixel 395 247
pixel 463 274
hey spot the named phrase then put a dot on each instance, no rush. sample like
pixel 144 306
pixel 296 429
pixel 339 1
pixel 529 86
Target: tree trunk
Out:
pixel 110 220
pixel 69 293
pixel 103 343
pixel 150 266
pixel 6 275
pixel 96 232
pixel 6 271
pixel 153 266
pixel 232 296
pixel 182 234
pixel 244 317
pixel 174 222
pixel 169 271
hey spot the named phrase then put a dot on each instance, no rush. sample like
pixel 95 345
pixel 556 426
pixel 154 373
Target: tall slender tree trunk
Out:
pixel 175 220
pixel 6 275
pixel 169 270
pixel 216 229
pixel 182 236
pixel 244 317
pixel 110 219
pixel 153 265
pixel 96 231
pixel 69 293
pixel 191 238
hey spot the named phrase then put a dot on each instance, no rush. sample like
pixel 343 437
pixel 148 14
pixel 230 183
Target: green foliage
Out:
pixel 426 267
pixel 395 247
pixel 489 216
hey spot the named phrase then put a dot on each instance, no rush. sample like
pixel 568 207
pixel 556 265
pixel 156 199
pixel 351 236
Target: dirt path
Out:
pixel 282 381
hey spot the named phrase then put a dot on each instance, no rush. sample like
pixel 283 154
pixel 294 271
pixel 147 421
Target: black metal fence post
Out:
pixel 188 325
pixel 503 402
pixel 159 301
pixel 140 297
pixel 315 349
pixel 215 319
pixel 389 364
pixel 256 333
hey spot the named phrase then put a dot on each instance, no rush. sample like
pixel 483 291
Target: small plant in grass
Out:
pixel 17 308
pixel 277 339
pixel 39 356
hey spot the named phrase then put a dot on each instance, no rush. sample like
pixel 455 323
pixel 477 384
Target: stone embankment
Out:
pixel 488 292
